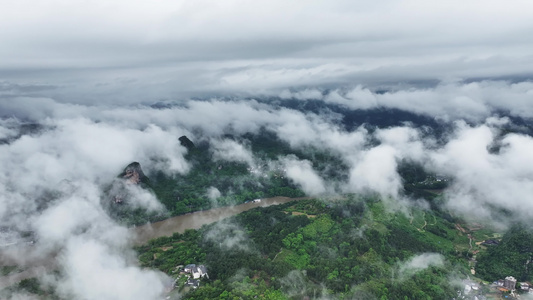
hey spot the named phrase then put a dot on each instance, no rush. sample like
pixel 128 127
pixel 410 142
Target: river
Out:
pixel 143 234
pixel 197 219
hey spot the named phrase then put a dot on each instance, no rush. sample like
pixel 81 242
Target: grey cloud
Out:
pixel 449 101
pixel 202 48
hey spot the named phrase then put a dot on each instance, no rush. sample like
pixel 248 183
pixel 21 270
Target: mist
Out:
pixel 54 178
pixel 88 88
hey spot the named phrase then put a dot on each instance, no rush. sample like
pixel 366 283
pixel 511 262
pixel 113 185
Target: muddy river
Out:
pixel 37 267
pixel 197 219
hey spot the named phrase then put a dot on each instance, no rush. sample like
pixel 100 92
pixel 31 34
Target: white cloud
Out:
pixel 306 94
pixel 89 152
pixel 228 235
pixel 418 263
pixel 233 151
pixel 302 174
pixel 213 193
pixel 375 171
pixel 485 181
pixel 96 271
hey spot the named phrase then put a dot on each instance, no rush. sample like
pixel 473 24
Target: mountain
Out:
pixel 133 173
pixel 185 142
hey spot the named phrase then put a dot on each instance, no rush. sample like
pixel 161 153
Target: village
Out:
pixel 507 288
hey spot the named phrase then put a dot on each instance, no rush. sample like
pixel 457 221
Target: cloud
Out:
pixel 229 236
pixel 213 193
pixel 53 184
pixel 229 150
pixel 123 134
pixel 53 178
pixel 201 49
pixel 295 284
pixel 302 174
pixel 98 272
pixel 86 75
pixel 306 94
pixel 375 171
pixel 418 263
pixel 449 101
pixel 135 196
pixel 486 182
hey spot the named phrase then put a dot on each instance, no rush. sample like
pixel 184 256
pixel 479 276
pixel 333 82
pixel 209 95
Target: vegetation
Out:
pixel 346 248
pixel 30 286
pixel 512 256
pixel 237 182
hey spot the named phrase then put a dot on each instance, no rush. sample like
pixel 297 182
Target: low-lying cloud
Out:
pixel 418 263
pixel 54 175
pixel 474 101
pixel 229 150
pixel 302 174
pixel 229 236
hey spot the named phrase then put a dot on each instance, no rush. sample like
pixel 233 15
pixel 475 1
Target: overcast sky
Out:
pixel 133 51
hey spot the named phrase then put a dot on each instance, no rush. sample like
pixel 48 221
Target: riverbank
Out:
pixel 197 219
pixel 141 235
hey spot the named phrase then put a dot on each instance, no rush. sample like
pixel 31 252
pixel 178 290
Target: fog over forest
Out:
pixel 88 88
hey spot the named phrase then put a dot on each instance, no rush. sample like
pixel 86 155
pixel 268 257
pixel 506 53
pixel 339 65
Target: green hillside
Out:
pixel 342 248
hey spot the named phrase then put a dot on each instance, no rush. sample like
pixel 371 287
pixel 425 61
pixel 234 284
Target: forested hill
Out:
pixel 238 182
pixel 343 249
pixel 512 256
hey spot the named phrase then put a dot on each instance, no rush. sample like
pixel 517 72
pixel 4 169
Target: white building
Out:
pixel 510 283
pixel 196 271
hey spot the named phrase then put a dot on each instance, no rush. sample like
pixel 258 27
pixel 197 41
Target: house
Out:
pixel 470 286
pixel 524 286
pixel 188 268
pixel 203 270
pixel 194 283
pixel 510 283
pixel 490 242
pixel 196 271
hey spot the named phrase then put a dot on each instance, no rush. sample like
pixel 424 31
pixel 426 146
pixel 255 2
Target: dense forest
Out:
pixel 237 182
pixel 511 256
pixel 345 248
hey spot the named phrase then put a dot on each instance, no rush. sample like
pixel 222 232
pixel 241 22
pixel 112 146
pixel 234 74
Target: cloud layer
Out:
pixel 86 52
pixel 54 174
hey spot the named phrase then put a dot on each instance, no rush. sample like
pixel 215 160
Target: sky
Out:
pixel 87 71
pixel 141 51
